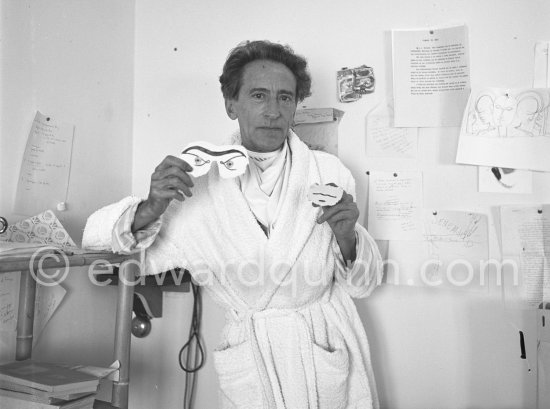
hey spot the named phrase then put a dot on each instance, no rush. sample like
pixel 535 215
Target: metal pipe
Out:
pixel 25 316
pixel 128 272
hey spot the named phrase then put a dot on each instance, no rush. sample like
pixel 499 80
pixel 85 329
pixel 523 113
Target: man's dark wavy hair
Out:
pixel 248 51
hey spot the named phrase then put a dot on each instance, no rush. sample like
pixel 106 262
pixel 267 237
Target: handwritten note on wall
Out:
pixel 383 140
pixel 395 205
pixel 526 242
pixel 9 296
pixel 451 254
pixel 47 300
pixel 44 175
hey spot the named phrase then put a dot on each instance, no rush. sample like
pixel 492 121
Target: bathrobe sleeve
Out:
pixel 361 277
pixel 109 229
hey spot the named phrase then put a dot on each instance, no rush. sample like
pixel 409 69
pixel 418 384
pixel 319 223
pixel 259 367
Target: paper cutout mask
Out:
pixel 325 195
pixel 232 159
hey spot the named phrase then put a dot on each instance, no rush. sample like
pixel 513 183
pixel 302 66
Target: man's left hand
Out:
pixel 342 218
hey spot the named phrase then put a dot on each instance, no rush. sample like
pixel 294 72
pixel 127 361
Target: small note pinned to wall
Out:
pixel 395 205
pixel 384 140
pixel 525 238
pixel 452 253
pixel 45 168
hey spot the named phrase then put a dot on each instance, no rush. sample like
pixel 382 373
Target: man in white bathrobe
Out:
pixel 283 269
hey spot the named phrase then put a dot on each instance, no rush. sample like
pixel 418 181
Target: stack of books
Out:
pixel 38 385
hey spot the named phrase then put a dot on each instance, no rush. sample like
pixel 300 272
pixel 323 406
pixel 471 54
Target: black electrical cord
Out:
pixel 192 348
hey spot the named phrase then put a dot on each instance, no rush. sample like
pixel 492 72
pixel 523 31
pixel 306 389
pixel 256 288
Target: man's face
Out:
pixel 265 105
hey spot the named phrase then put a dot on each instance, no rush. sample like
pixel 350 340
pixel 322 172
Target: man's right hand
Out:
pixel 169 181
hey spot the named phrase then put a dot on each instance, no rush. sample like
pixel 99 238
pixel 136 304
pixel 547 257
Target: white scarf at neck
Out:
pixel 264 184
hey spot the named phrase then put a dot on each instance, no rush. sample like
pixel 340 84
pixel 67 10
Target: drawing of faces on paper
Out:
pixel 506 113
pixel 232 160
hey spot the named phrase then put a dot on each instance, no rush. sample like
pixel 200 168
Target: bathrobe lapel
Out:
pixel 294 226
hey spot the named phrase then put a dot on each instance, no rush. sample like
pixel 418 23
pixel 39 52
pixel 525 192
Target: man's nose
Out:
pixel 272 109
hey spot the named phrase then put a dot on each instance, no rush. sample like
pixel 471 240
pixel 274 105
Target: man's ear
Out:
pixel 230 108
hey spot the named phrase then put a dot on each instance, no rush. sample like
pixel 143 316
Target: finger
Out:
pixel 346 198
pixel 330 212
pixel 171 183
pixel 169 194
pixel 173 171
pixel 344 216
pixel 170 160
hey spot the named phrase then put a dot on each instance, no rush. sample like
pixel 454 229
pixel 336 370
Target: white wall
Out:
pixel 72 60
pixel 431 348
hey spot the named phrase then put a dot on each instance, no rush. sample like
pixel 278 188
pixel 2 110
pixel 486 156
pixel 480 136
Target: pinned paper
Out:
pixel 45 168
pixel 507 128
pixel 47 300
pixel 431 76
pixel 525 248
pixel 395 205
pixel 324 195
pixel 450 254
pixel 384 140
pixel 232 159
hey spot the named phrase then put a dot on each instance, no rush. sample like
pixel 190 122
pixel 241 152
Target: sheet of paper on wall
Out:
pixel 318 128
pixel 541 77
pixel 451 253
pixel 525 232
pixel 493 179
pixel 395 205
pixel 431 76
pixel 384 140
pixel 44 175
pixel 43 229
pixel 47 299
pixel 508 128
pixel 9 298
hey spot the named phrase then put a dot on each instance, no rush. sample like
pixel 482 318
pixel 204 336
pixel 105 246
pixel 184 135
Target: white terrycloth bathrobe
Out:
pixel 293 338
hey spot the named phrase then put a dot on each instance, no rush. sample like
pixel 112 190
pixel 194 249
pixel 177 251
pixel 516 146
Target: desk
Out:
pixel 25 317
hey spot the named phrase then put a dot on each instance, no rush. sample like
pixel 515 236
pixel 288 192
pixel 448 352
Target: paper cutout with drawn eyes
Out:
pixel 324 195
pixel 232 159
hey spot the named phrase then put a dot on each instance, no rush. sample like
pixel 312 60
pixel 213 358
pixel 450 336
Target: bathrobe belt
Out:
pixel 259 339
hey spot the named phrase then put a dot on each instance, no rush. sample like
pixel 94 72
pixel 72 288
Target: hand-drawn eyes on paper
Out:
pixel 324 195
pixel 505 113
pixel 232 159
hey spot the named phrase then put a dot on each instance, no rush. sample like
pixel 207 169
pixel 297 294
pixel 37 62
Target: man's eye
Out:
pixel 286 98
pixel 258 96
